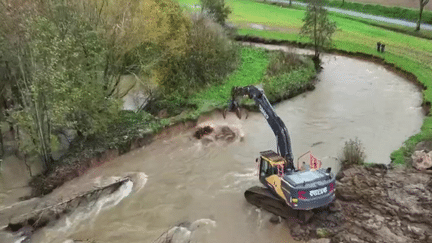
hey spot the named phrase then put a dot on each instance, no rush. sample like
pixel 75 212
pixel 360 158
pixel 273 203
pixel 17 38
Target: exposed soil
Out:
pixel 375 205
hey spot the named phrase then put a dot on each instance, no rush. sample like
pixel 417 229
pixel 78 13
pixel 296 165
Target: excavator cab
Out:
pixel 271 164
pixel 272 168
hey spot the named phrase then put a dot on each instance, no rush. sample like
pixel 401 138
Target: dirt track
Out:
pixel 396 3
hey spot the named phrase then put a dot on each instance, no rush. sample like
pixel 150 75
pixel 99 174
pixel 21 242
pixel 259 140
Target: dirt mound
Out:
pixel 376 205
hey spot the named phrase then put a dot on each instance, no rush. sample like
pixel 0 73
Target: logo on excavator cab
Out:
pixel 318 192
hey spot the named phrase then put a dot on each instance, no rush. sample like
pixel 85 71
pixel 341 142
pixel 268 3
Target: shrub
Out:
pixel 353 153
pixel 285 81
pixel 283 62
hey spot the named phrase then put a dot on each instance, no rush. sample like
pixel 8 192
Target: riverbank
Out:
pixel 374 205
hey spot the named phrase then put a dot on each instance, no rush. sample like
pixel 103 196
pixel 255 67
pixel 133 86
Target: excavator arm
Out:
pixel 276 124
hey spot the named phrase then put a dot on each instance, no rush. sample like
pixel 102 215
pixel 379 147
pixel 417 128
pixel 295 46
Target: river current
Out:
pixel 200 187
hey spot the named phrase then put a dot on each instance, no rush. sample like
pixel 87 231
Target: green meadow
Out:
pixel 410 53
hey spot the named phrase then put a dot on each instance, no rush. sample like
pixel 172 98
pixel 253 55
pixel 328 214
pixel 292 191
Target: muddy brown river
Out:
pixel 201 186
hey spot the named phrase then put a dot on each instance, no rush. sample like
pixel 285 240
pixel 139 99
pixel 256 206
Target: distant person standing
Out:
pixel 382 48
pixel 378 46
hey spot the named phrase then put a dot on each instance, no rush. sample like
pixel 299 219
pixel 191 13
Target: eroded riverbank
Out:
pixel 377 205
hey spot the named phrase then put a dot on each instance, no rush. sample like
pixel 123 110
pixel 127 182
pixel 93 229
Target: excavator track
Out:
pixel 262 198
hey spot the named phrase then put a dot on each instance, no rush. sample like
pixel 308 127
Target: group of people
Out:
pixel 380 47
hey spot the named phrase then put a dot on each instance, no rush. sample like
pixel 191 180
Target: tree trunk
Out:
pixel 315 33
pixel 290 2
pixel 420 16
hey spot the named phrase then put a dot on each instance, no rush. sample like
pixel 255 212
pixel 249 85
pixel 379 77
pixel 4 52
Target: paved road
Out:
pixel 367 16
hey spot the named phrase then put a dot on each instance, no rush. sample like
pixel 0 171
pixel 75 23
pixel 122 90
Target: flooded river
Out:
pixel 202 186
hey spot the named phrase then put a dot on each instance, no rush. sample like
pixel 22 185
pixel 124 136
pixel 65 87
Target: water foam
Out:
pixel 89 212
pixel 186 234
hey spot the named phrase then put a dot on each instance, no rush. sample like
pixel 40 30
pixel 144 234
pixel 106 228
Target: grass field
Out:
pixel 407 52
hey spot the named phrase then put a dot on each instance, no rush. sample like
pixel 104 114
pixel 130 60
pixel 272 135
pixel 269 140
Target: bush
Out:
pixel 353 153
pixel 284 80
pixel 283 62
pixel 209 58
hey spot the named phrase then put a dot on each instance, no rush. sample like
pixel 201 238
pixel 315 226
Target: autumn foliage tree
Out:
pixel 66 59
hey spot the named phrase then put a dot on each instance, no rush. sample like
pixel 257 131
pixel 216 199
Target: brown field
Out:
pixel 398 3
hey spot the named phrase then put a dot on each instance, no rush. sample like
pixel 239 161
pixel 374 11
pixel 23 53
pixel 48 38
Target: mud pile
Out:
pixel 375 205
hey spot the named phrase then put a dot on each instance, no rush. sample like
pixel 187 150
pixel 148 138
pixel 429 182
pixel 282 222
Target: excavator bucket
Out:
pixel 233 106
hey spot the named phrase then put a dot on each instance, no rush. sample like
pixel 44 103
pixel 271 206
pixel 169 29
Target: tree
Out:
pixel 65 60
pixel 422 5
pixel 317 27
pixel 216 9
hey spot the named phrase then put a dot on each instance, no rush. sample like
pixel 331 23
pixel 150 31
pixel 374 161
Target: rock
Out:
pixel 424 145
pixel 421 160
pixel 416 230
pixel 335 206
pixel 275 219
pixel 379 218
pixel 26 231
pixel 296 230
pixel 347 237
pixel 322 233
pixel 323 240
pixel 163 113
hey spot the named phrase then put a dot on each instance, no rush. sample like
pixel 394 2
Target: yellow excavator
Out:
pixel 288 192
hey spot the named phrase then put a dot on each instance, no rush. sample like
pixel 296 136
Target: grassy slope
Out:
pixel 407 52
pixel 251 71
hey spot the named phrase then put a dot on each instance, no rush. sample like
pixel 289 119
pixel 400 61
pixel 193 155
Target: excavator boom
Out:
pixel 274 121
